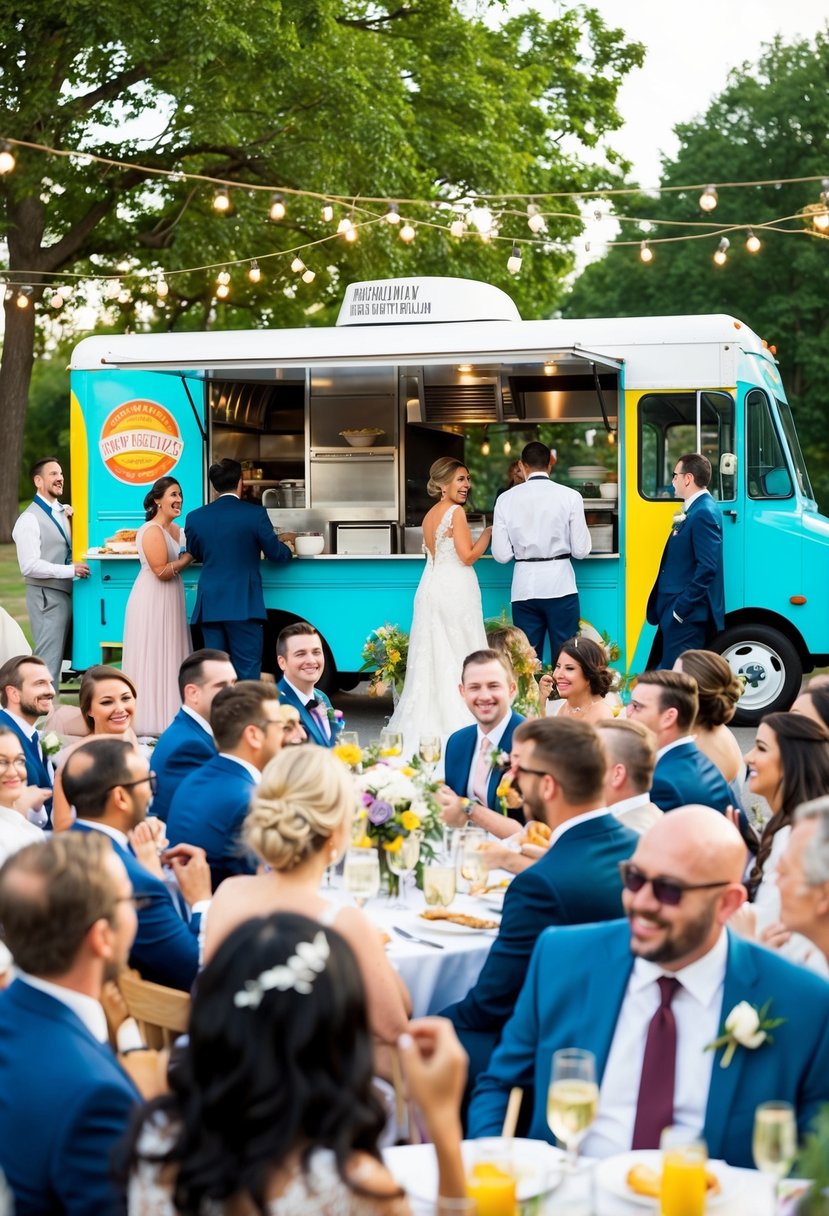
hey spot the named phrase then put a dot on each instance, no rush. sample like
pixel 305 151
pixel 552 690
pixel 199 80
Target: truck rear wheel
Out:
pixel 769 664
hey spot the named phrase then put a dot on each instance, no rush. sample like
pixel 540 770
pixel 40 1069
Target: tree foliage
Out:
pixel 769 122
pixel 411 99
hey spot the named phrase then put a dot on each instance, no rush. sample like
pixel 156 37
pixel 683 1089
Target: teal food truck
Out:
pixel 336 429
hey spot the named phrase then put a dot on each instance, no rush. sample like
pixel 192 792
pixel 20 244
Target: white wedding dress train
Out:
pixel 447 625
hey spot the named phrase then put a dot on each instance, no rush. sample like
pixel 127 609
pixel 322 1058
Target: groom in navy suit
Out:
pixel 301 660
pixel 65 1102
pixel 650 995
pixel 228 537
pixel 26 694
pixel 687 602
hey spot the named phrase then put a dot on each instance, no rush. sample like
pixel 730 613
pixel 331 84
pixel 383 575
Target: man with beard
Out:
pixel 26 694
pixel 668 1002
pixel 110 785
pixel 560 769
pixel 68 917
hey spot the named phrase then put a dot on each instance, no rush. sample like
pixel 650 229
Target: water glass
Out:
pixel 349 738
pixel 439 882
pixel 404 861
pixel 361 874
pixel 471 857
pixel 391 743
pixel 573 1098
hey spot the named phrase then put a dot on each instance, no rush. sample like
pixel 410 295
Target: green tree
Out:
pixel 769 122
pixel 410 99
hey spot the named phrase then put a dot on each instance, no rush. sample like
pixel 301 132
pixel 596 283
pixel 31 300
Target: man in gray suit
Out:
pixel 44 553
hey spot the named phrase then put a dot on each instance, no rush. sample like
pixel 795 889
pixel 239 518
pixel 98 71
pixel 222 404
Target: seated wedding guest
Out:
pixel 106 699
pixel 666 702
pixel 561 767
pixel 301 660
pixel 299 823
pixel 649 996
pixel 272 1106
pixel 188 742
pixel 803 876
pixel 27 694
pixel 583 680
pixel 209 807
pixel 813 703
pixel 718 691
pixel 66 907
pixel 631 755
pixel 16 797
pixel 110 785
pixel 473 767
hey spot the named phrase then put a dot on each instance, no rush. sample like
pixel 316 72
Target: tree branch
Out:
pixel 374 24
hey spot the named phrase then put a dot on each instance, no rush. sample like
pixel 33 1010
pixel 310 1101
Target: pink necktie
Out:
pixel 655 1104
pixel 321 716
pixel 480 776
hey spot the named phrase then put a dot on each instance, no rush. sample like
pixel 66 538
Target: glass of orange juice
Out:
pixel 682 1192
pixel 491 1183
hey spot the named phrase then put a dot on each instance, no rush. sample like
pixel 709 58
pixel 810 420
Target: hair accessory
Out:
pixel 298 973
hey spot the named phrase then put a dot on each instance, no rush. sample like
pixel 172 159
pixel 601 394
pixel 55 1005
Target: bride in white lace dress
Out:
pixel 448 621
pixel 272 1107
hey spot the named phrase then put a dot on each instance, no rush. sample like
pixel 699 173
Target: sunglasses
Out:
pixel 668 891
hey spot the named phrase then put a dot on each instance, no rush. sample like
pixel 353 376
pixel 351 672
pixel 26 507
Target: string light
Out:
pixel 23 297
pixel 351 234
pixel 277 211
pixel 514 260
pixel 297 265
pixel 721 256
pixel 7 160
pixel 407 233
pixel 162 287
pixel 482 219
pixel 56 299
pixel 507 447
pixel 308 276
pixel 535 219
pixel 820 218
pixel 221 201
pixel 753 243
pixel 458 227
pixel 645 252
pixel 345 225
pixel 708 199
pixel 485 447
pixel 392 216
pixel 255 273
pixel 327 213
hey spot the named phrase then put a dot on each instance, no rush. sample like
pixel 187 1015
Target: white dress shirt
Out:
pixel 203 723
pixel 558 832
pixel 26 536
pixel 250 768
pixel 495 734
pixel 16 832
pixel 90 1011
pixel 320 719
pixel 697 1009
pixel 540 519
pixel 637 813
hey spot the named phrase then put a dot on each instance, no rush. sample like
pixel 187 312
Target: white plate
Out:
pixel 587 472
pixel 448 926
pixel 611 1175
pixel 538 1167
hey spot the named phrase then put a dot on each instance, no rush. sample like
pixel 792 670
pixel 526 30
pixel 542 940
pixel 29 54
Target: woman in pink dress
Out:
pixel 156 633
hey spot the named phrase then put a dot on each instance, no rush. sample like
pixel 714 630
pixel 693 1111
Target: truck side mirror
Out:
pixel 728 464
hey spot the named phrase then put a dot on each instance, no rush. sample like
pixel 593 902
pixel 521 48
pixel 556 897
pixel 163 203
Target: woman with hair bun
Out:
pixel 448 620
pixel 719 691
pixel 583 680
pixel 156 633
pixel 299 823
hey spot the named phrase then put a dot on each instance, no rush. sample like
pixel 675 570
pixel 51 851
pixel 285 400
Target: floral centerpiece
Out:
pixel 385 653
pixel 392 803
pixel 526 666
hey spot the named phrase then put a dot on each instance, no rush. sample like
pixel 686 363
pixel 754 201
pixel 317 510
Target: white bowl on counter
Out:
pixel 610 489
pixel 362 439
pixel 309 545
pixel 587 472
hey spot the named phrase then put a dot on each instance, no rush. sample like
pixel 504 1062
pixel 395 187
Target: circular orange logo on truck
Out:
pixel 140 442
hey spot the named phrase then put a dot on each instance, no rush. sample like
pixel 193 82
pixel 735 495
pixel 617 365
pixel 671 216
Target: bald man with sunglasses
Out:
pixel 649 994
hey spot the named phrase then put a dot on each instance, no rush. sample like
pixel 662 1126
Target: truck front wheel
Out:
pixel 769 665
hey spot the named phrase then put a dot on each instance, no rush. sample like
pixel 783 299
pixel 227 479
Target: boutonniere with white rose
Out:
pixel 679 520
pixel 498 758
pixel 746 1026
pixel 50 743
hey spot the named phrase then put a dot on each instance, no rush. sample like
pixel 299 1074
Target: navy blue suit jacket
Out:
pixel 166 947
pixel 183 747
pixel 460 756
pixel 208 809
pixel 312 728
pixel 690 578
pixel 574 992
pixel 37 773
pixel 65 1102
pixel 577 881
pixel 228 537
pixel 684 776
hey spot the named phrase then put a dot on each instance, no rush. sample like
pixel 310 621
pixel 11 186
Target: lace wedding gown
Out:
pixel 447 625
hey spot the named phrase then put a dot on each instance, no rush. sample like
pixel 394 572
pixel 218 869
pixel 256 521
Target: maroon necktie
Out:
pixel 655 1104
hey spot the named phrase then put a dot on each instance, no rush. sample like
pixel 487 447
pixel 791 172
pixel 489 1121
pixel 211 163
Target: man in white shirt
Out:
pixel 631 753
pixel 540 525
pixel 44 553
pixel 650 995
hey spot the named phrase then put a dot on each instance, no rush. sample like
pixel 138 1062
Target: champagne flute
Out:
pixel 774 1142
pixel 429 750
pixel 391 743
pixel 572 1099
pixel 404 861
pixel 361 874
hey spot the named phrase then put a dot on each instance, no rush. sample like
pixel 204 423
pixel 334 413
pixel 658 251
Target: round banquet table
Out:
pixel 436 975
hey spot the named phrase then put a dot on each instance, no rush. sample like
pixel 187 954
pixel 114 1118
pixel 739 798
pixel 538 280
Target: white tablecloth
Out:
pixel 435 977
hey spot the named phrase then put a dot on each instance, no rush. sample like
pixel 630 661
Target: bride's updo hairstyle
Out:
pixel 441 473
pixel 304 795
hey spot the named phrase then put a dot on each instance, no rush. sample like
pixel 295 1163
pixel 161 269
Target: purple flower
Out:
pixel 380 812
pixel 367 799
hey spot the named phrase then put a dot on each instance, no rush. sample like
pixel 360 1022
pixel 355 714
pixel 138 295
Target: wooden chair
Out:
pixel 161 1013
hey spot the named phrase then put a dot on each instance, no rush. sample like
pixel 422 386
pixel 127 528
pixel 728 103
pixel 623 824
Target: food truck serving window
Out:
pixel 671 424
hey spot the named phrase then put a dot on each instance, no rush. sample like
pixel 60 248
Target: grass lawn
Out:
pixel 12 594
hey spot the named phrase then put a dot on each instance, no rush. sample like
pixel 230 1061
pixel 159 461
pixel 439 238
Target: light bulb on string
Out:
pixel 721 256
pixel 8 293
pixel 308 275
pixel 277 209
pixel 56 300
pixel 407 233
pixel 753 243
pixel 255 273
pixel 222 291
pixel 820 217
pixel 514 260
pixel 507 447
pixel 327 213
pixel 485 447
pixel 457 228
pixel 23 297
pixel 297 265
pixel 221 201
pixel 7 160
pixel 645 252
pixel 535 219
pixel 351 234
pixel 481 218
pixel 708 199
pixel 345 225
pixel 223 278
pixel 162 287
pixel 392 216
